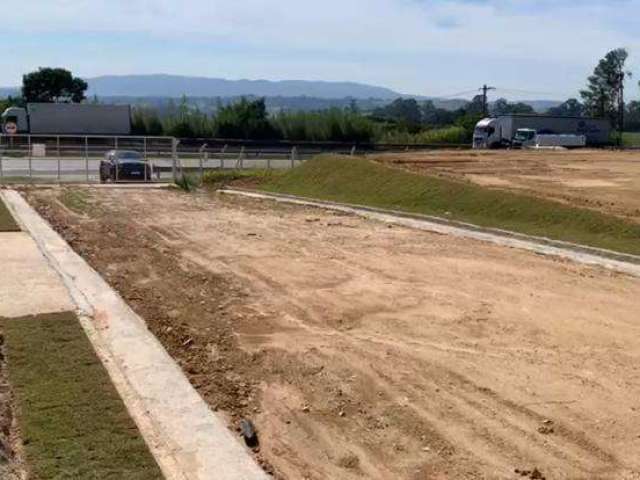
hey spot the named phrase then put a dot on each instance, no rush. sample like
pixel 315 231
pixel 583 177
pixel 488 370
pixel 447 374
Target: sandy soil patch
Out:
pixel 603 180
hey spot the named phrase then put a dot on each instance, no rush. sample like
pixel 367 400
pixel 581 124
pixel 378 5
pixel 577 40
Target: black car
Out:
pixel 125 165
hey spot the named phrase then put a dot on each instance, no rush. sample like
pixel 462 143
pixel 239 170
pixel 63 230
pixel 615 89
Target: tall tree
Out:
pixel 51 85
pixel 246 119
pixel 603 95
pixel 503 107
pixel 476 106
pixel 405 111
pixel 570 108
pixel 632 117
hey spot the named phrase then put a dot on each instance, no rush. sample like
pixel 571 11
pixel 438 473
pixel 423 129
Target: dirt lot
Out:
pixel 363 351
pixel 603 180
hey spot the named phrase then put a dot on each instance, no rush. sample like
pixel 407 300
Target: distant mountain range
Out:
pixel 135 88
pixel 177 86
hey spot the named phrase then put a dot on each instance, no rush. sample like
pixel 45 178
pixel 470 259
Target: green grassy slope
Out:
pixel 359 181
pixel 72 422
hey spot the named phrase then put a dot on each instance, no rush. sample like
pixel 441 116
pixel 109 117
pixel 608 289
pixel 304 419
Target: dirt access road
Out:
pixel 603 180
pixel 367 352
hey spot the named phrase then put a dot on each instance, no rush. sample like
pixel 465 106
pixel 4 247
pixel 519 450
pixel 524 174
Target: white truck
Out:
pixel 67 119
pixel 500 131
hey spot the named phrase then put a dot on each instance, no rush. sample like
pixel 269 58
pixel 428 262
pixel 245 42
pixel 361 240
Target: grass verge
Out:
pixel 7 223
pixel 360 181
pixel 219 178
pixel 72 421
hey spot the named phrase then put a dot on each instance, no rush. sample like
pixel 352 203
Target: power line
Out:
pixel 459 94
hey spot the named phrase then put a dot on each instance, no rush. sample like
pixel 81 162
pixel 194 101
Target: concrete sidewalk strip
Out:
pixel 187 439
pixel 624 263
pixel 28 285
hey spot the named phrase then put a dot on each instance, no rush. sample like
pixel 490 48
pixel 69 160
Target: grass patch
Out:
pixel 72 421
pixel 360 181
pixel 7 223
pixel 631 139
pixel 224 177
pixel 187 183
pixel 75 199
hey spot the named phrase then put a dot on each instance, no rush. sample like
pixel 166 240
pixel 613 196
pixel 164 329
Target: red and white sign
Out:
pixel 10 128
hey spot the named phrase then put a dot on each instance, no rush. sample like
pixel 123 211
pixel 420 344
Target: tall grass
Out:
pixel 631 139
pixel 447 135
pixel 250 120
pixel 329 125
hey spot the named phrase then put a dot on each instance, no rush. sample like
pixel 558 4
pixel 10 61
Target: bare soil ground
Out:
pixel 367 352
pixel 603 180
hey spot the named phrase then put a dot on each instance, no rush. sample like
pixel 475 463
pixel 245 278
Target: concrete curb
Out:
pixel 620 262
pixel 187 439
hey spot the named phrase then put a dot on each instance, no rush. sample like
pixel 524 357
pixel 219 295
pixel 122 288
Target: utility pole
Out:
pixel 485 102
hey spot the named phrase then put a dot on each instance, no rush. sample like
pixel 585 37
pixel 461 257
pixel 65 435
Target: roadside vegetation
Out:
pixel 631 139
pixel 7 223
pixel 72 421
pixel 363 182
pixel 219 178
pixel 187 183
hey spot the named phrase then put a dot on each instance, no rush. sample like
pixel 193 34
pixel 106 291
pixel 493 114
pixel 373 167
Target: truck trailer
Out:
pixel 500 131
pixel 67 119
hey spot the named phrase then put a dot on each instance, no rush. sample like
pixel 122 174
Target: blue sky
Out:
pixel 427 47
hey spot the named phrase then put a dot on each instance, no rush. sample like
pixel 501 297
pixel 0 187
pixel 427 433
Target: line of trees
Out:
pixel 403 121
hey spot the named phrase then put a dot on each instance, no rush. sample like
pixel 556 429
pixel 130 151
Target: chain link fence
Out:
pixel 67 158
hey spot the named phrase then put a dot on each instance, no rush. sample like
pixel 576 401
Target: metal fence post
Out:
pixel 86 157
pixel 294 154
pixel 29 147
pixel 1 154
pixel 242 157
pixel 58 166
pixel 144 146
pixel 353 150
pixel 222 154
pixel 268 162
pixel 174 157
pixel 202 159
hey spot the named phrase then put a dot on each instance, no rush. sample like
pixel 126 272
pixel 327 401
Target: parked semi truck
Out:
pixel 67 119
pixel 500 131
